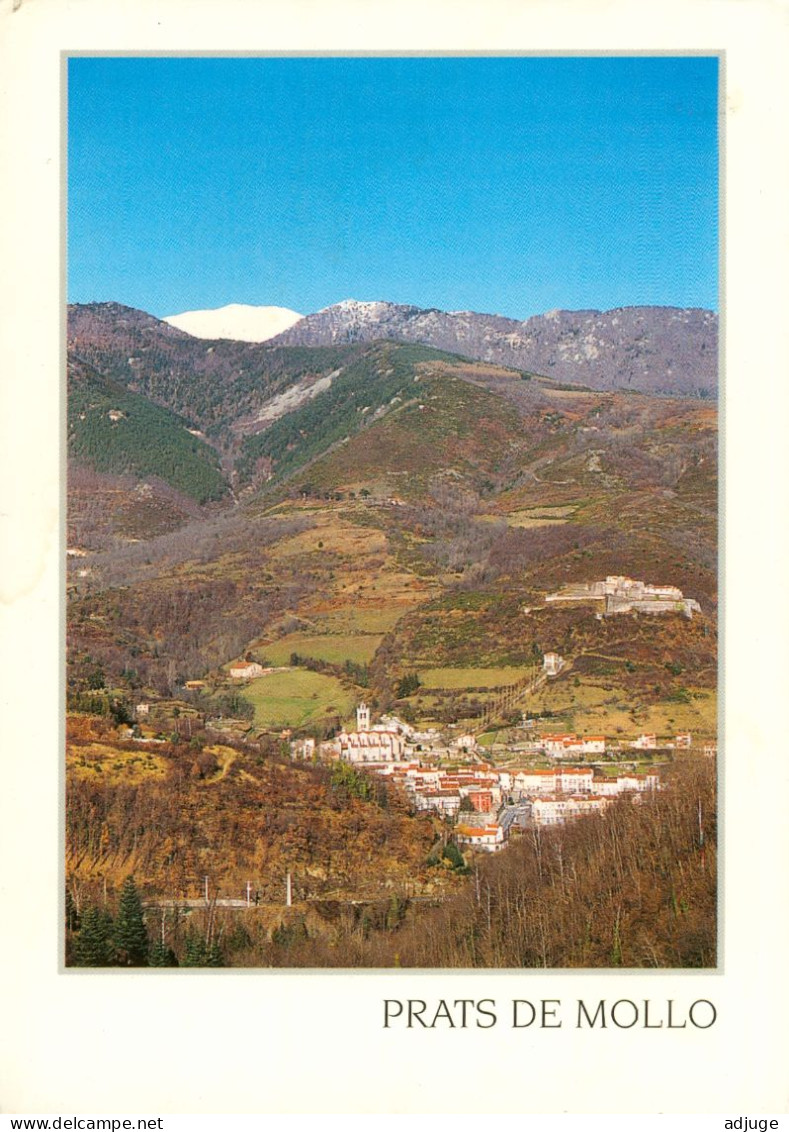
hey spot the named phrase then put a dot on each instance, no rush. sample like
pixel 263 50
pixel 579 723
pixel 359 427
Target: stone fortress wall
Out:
pixel 620 594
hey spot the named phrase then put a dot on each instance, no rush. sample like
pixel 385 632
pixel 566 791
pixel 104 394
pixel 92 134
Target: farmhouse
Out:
pixel 302 749
pixel 557 745
pixel 247 671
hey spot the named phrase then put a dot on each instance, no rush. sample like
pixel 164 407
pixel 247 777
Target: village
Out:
pixel 488 793
pixel 485 803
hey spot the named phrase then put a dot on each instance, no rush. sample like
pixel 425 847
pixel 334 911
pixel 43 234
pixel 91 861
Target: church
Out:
pixel 371 744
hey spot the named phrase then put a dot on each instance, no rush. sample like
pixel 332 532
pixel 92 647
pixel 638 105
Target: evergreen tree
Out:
pixel 93 947
pixel 194 949
pixel 131 937
pixel 453 855
pixel 214 958
pixel 162 956
pixel 407 685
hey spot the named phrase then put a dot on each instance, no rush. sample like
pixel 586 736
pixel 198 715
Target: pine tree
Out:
pixel 131 937
pixel 162 956
pixel 93 947
pixel 214 958
pixel 453 855
pixel 194 949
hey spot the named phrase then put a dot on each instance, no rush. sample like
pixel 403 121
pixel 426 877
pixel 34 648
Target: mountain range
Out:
pixel 662 350
pixel 217 421
pixel 651 349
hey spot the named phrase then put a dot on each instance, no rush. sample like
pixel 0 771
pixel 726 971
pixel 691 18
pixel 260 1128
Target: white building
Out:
pixel 445 802
pixel 556 810
pixel 594 744
pixel 575 780
pixel 247 671
pixel 390 723
pixel 302 749
pixel 534 782
pixel 466 742
pixel 645 743
pixel 487 838
pixel 623 595
pixel 557 745
pixel 626 783
pixel 372 746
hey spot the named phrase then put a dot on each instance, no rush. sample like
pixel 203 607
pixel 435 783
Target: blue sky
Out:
pixel 501 185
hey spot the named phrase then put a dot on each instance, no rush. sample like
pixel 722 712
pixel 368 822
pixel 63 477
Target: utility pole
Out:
pixel 288 891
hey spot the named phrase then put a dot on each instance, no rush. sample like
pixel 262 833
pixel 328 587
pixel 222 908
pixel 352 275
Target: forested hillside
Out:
pixel 115 431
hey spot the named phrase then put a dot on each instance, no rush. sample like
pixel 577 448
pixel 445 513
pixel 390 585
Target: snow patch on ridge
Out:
pixel 357 306
pixel 237 321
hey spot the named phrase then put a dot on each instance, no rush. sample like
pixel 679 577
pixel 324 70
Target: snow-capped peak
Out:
pixel 357 306
pixel 236 321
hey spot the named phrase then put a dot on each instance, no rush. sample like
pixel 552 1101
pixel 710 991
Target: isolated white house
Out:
pixel 247 671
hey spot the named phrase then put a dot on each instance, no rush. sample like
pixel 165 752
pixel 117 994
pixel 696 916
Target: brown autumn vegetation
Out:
pixel 635 888
pixel 172 813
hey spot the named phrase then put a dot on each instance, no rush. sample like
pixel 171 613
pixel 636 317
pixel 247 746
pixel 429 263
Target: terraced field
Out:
pixel 456 678
pixel 296 698
pixel 610 707
pixel 358 648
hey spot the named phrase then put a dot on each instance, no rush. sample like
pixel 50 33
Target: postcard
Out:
pixel 393 625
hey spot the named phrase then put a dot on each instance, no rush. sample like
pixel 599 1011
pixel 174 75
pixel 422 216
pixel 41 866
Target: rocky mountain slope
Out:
pixel 269 409
pixel 649 349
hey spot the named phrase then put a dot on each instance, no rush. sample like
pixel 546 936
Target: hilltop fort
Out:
pixel 620 594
